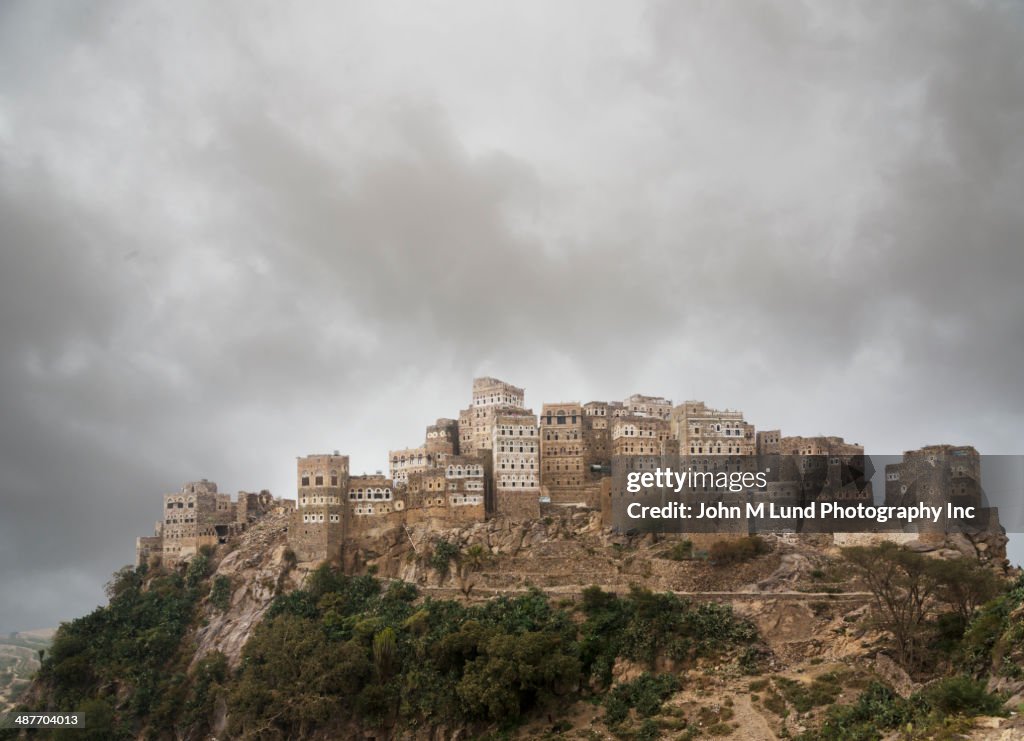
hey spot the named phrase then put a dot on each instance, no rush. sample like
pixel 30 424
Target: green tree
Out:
pixel 384 646
pixel 904 585
pixel 294 680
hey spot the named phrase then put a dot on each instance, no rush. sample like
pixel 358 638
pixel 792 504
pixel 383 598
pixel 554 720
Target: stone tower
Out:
pixel 320 521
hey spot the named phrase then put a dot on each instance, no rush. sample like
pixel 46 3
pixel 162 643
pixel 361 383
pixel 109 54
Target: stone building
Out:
pixel 640 436
pixel 442 438
pixel 491 397
pixel 373 494
pixel 252 506
pixel 196 516
pixel 561 447
pixel 822 445
pixel 767 442
pixel 616 499
pixel 408 460
pixel 427 490
pixel 457 494
pixel 813 469
pixel 936 475
pixel 320 522
pixel 597 439
pixel 516 454
pixel 703 430
pixel 440 444
pixel 639 405
pixel 467 484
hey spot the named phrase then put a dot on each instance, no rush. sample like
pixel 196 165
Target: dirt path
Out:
pixel 753 725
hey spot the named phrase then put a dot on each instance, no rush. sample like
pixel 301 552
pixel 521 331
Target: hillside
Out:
pixel 19 661
pixel 554 628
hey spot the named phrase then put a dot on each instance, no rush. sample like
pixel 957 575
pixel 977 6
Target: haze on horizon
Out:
pixel 236 233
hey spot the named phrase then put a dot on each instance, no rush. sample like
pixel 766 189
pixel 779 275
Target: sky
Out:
pixel 234 233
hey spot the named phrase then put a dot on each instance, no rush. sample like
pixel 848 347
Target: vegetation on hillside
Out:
pixel 924 603
pixel 346 654
pixel 353 651
pixel 124 664
pixel 943 707
pixel 347 649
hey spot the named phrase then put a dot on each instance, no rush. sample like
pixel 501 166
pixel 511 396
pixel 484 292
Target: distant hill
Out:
pixel 19 660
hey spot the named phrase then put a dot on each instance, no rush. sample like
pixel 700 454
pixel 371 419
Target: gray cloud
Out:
pixel 233 234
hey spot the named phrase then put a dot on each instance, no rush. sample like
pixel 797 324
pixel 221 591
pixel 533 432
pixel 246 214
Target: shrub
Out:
pixel 961 696
pixel 822 690
pixel 220 594
pixel 681 551
pixel 753 659
pixel 773 701
pixel 723 552
pixel 878 710
pixel 644 625
pixel 645 694
pixel 196 570
pixel 995 637
pixel 441 557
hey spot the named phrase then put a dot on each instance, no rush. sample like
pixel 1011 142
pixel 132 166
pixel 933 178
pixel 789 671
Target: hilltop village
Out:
pixel 500 459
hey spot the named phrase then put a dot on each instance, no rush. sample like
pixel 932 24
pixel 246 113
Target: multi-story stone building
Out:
pixel 442 438
pixel 597 439
pixel 476 423
pixel 702 430
pixel 456 494
pixel 812 469
pixel 466 485
pixel 427 490
pixel 639 405
pixel 373 494
pixel 767 442
pixel 935 475
pixel 196 516
pixel 640 436
pixel 320 522
pixel 516 454
pixel 561 447
pixel 406 461
pixel 440 444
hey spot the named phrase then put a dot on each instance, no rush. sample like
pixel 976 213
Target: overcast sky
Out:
pixel 233 233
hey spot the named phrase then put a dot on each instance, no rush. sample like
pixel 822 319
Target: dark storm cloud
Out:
pixel 233 234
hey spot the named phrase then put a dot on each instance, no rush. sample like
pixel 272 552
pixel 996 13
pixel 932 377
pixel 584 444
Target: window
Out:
pixel 305 480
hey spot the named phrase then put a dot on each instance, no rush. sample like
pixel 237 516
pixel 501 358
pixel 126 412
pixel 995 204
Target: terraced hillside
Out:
pixel 19 660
